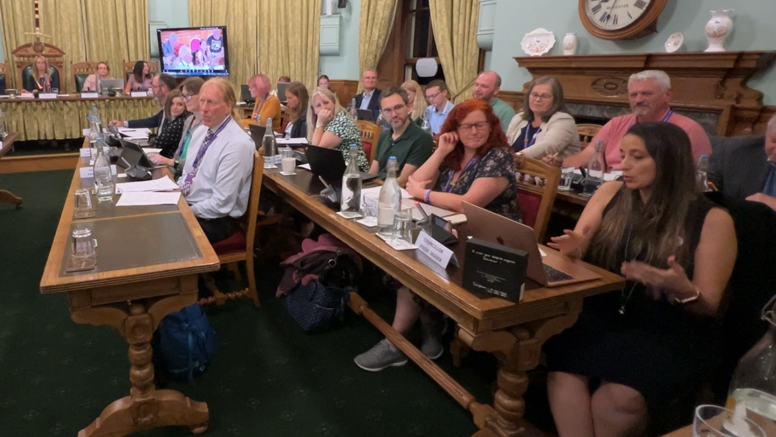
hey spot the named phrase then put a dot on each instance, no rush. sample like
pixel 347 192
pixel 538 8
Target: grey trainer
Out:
pixel 432 328
pixel 383 355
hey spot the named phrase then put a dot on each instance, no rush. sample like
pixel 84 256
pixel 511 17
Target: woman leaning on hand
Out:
pixel 641 346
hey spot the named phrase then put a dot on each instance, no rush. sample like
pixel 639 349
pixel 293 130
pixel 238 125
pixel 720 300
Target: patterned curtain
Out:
pixel 455 32
pixel 116 31
pixel 373 31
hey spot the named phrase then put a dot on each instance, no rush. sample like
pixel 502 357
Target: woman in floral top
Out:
pixel 472 163
pixel 330 126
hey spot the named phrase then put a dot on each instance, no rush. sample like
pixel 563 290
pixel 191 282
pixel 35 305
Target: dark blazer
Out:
pixel 148 123
pixel 738 166
pixel 169 138
pixel 374 103
pixel 299 129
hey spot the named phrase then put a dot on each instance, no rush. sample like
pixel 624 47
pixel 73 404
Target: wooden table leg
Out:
pixel 145 407
pixel 8 197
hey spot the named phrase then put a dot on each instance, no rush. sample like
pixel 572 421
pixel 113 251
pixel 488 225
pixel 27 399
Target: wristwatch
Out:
pixel 687 300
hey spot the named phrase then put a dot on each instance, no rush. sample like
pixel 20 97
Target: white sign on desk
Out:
pixel 47 96
pixel 89 95
pixel 138 94
pixel 86 152
pixel 1 145
pixel 88 172
pixel 435 250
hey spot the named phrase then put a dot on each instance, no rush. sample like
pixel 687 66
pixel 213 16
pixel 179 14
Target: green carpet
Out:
pixel 268 378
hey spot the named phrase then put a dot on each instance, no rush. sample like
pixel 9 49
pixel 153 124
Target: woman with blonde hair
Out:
pixel 417 105
pixel 330 126
pixel 44 78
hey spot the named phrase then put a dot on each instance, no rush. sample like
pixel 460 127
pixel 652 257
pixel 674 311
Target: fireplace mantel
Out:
pixel 701 82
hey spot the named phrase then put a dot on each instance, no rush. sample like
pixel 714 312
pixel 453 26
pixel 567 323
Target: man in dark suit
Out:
pixel 745 167
pixel 370 96
pixel 162 85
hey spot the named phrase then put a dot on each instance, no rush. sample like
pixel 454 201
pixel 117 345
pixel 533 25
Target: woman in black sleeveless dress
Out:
pixel 639 347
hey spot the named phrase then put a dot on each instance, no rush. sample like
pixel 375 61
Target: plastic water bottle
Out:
pixel 270 146
pixel 350 199
pixel 426 125
pixel 353 110
pixel 3 127
pixel 595 170
pixel 258 119
pixel 701 174
pixel 389 201
pixel 103 179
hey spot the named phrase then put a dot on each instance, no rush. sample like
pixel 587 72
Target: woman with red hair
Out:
pixel 472 163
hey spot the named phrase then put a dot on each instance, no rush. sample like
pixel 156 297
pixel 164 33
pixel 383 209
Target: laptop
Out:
pixel 281 87
pixel 134 160
pixel 551 270
pixel 111 84
pixel 245 95
pixel 257 134
pixel 365 115
pixel 329 164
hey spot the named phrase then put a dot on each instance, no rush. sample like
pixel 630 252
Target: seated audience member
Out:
pixel 162 85
pixel 185 58
pixel 438 104
pixel 544 127
pixel 216 181
pixel 649 93
pixel 215 48
pixel 266 106
pixel 284 79
pixel 472 163
pixel 44 77
pixel 175 115
pixel 140 79
pixel 190 92
pixel 486 87
pixel 405 140
pixel 2 85
pixel 369 98
pixel 92 82
pixel 330 126
pixel 643 345
pixel 745 168
pixel 323 81
pixel 417 105
pixel 297 101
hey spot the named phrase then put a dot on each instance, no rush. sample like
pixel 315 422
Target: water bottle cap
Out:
pixel 352 146
pixel 392 158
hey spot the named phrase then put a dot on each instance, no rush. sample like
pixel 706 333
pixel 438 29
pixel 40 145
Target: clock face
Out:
pixel 615 14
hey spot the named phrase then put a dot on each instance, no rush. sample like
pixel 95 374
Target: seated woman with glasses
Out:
pixel 140 79
pixel 543 127
pixel 330 126
pixel 92 81
pixel 189 90
pixel 297 100
pixel 175 115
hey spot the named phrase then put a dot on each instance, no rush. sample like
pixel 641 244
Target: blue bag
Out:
pixel 317 308
pixel 186 343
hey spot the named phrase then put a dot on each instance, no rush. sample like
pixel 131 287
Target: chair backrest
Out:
pixel 4 82
pixel 153 68
pixel 253 201
pixel 80 71
pixel 370 133
pixel 586 133
pixel 24 55
pixel 537 184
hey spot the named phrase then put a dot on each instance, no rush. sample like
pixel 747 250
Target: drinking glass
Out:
pixel 12 93
pixel 402 226
pixel 83 204
pixel 714 421
pixel 288 162
pixel 54 90
pixel 566 175
pixel 83 255
pixel 369 211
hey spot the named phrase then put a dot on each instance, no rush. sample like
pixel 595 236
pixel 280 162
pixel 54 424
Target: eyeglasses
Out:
pixel 536 96
pixel 389 111
pixel 187 97
pixel 433 96
pixel 480 126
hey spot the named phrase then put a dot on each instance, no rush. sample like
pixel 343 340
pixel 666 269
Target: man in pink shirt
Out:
pixel 649 94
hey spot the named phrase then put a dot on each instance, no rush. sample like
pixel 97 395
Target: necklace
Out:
pixel 623 299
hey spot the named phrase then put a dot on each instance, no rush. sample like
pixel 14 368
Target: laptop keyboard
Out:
pixel 555 275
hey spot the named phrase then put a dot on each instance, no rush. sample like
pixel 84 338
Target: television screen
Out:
pixel 194 51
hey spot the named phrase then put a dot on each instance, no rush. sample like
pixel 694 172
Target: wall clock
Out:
pixel 620 19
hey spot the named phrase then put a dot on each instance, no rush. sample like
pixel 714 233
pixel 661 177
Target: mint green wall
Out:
pixel 752 30
pixel 345 65
pixel 2 48
pixel 175 13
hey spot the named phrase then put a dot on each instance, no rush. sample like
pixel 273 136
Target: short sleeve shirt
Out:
pixel 413 147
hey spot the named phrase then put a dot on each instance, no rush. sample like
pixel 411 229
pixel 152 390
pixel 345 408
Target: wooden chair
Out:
pixel 153 68
pixel 586 133
pixel 25 54
pixel 80 71
pixel 370 134
pixel 537 185
pixel 239 247
pixel 4 78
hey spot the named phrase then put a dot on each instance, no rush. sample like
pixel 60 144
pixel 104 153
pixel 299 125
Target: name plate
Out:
pixel 47 96
pixel 26 96
pixel 89 95
pixel 88 172
pixel 86 152
pixel 494 269
pixel 139 94
pixel 1 145
pixel 435 250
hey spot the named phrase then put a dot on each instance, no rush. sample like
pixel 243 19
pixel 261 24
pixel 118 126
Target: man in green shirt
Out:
pixel 405 140
pixel 486 87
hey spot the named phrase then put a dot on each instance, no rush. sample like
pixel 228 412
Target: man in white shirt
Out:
pixel 216 179
pixel 370 97
pixel 438 104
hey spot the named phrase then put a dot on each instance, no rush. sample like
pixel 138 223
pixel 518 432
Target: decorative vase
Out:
pixel 718 29
pixel 570 44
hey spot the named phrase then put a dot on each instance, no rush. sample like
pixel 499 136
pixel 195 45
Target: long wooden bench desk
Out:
pixel 6 145
pixel 513 332
pixel 148 260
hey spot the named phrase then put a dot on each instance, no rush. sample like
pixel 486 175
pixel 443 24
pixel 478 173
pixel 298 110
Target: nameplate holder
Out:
pixel 88 172
pixel 47 96
pixel 86 152
pixel 495 270
pixel 138 94
pixel 26 96
pixel 436 250
pixel 1 145
pixel 89 95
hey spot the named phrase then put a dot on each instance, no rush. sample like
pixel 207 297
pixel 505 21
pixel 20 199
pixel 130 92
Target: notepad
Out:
pixel 146 199
pixel 282 141
pixel 161 184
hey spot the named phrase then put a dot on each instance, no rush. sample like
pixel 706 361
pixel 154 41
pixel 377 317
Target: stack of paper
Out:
pixel 284 141
pixel 148 198
pixel 161 184
pixel 134 134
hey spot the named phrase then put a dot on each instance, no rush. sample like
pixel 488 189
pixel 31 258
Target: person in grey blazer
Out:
pixel 543 127
pixel 745 167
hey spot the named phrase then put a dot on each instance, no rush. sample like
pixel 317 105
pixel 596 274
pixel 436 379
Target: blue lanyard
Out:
pixel 449 185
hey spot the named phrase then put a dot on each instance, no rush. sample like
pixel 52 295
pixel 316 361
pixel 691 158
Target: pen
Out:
pixel 324 182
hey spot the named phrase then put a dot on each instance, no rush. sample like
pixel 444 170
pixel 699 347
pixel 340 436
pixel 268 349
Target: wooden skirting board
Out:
pixel 48 162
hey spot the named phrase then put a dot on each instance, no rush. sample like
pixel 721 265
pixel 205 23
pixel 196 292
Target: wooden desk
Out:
pixel 65 117
pixel 683 432
pixel 513 332
pixel 148 260
pixel 7 196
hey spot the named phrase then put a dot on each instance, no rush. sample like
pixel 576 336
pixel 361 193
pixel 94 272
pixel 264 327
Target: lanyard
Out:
pixel 528 127
pixel 187 138
pixel 449 185
pixel 211 136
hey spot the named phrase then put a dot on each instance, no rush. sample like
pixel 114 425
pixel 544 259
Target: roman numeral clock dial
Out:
pixel 620 19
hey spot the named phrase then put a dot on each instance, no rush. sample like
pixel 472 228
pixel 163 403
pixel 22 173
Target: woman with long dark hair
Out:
pixel 641 346
pixel 297 100
pixel 140 79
